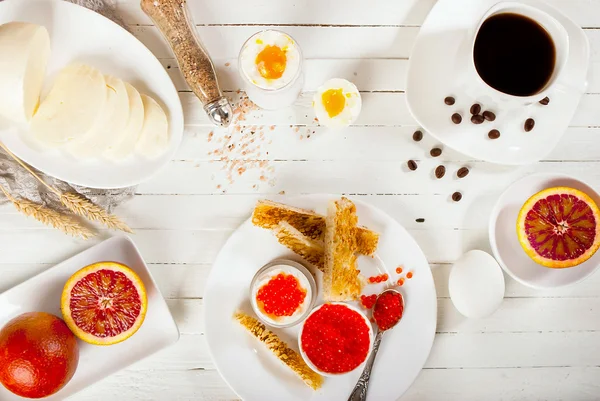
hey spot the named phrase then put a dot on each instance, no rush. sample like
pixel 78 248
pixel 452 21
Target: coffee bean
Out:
pixel 462 172
pixel 475 109
pixel 420 220
pixel 457 196
pixel 449 100
pixel 435 152
pixel 412 165
pixel 488 115
pixel 529 124
pixel 494 134
pixel 456 118
pixel 417 136
pixel 545 101
pixel 477 119
pixel 440 171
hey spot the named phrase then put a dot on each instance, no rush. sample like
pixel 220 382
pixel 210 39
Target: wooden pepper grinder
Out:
pixel 173 19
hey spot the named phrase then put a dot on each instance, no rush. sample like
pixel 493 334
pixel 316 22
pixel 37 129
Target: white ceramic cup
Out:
pixel 557 33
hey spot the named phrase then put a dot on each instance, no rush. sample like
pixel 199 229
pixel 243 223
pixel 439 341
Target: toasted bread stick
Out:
pixel 311 250
pixel 281 350
pixel 341 280
pixel 268 214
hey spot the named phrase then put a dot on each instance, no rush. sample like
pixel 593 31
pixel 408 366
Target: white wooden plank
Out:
pixel 201 246
pixel 316 42
pixel 187 281
pixel 320 42
pixel 336 12
pixel 363 143
pixel 514 315
pixel 378 109
pixel 369 177
pixel 471 351
pixel 549 384
pixel 366 74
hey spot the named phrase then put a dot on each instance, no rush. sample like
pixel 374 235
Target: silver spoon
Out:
pixel 360 390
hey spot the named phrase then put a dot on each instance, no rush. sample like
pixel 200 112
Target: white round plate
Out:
pixel 505 244
pixel 436 70
pixel 256 375
pixel 81 35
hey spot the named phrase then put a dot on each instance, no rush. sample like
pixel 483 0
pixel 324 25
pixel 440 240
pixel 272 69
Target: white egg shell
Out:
pixel 256 44
pixel 351 109
pixel 24 53
pixel 73 106
pixel 476 284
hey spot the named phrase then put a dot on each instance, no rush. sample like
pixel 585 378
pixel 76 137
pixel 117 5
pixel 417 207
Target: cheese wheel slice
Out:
pixel 109 127
pixel 73 106
pixel 24 53
pixel 125 145
pixel 154 138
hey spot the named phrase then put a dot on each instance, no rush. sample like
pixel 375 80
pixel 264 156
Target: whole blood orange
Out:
pixel 559 227
pixel 104 303
pixel 38 355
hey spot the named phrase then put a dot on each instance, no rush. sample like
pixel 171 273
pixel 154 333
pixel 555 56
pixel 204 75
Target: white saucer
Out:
pixel 503 235
pixel 438 59
pixel 257 375
pixel 42 294
pixel 78 34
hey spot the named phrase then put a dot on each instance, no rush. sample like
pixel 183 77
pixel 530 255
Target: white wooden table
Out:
pixel 537 346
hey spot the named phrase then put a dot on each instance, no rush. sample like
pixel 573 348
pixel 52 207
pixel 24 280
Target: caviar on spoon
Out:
pixel 387 312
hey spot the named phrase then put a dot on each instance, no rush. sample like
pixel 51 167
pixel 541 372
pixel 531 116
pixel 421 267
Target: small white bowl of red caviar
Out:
pixel 282 293
pixel 335 339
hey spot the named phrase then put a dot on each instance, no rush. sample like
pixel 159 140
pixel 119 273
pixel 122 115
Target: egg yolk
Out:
pixel 271 62
pixel 334 101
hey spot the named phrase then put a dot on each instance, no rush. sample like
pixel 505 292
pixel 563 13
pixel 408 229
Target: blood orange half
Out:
pixel 104 303
pixel 559 227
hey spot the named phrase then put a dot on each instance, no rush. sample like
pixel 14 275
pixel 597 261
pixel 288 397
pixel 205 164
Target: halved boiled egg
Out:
pixel 270 59
pixel 337 103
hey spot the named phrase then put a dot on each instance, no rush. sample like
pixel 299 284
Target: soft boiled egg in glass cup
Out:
pixel 337 103
pixel 270 64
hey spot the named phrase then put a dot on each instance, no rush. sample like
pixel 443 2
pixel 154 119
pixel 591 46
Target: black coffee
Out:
pixel 514 54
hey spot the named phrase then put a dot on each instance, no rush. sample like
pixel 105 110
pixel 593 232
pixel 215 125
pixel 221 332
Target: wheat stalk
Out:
pixel 76 203
pixel 84 207
pixel 49 217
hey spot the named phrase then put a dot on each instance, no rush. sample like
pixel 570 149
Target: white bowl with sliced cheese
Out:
pixel 108 115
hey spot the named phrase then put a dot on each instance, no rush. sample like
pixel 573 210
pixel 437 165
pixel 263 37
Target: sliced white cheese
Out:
pixel 109 128
pixel 24 53
pixel 154 138
pixel 125 145
pixel 73 106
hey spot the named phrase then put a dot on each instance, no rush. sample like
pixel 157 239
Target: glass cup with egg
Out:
pixel 270 64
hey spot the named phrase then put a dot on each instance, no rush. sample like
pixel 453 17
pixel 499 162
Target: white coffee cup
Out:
pixel 557 33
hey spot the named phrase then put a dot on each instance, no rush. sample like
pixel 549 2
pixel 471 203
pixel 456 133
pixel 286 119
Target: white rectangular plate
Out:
pixel 42 294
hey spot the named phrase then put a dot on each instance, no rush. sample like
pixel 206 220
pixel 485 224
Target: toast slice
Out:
pixel 268 214
pixel 309 249
pixel 341 280
pixel 281 350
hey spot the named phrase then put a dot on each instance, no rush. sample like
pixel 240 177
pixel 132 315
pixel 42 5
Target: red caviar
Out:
pixel 400 282
pixel 281 296
pixel 409 275
pixel 379 278
pixel 399 269
pixel 335 338
pixel 368 301
pixel 388 310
